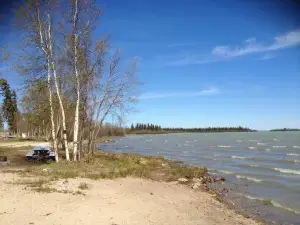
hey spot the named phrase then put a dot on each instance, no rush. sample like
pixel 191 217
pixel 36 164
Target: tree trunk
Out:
pixel 76 119
pixel 42 43
pixel 51 113
pixel 58 91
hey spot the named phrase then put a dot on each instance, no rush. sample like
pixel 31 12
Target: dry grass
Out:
pixel 102 165
pixel 83 186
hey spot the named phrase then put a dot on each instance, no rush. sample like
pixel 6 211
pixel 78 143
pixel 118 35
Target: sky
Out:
pixel 208 63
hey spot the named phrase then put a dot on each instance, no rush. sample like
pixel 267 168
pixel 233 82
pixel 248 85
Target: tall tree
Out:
pixel 9 106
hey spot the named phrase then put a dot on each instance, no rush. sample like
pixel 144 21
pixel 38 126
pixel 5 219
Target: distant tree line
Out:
pixel 145 126
pixel 210 129
pixel 286 129
pixel 158 128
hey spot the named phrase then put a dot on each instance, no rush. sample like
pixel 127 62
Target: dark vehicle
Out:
pixel 41 154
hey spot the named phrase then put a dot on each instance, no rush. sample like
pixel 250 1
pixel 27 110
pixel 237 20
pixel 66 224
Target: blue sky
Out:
pixel 210 63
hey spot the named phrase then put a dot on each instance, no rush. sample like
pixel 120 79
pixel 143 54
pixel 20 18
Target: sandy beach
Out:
pixel 119 201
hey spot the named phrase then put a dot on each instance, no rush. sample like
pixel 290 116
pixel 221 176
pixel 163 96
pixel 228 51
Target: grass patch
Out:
pixel 83 186
pixel 103 165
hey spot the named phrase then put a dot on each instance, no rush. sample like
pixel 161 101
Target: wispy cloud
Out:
pixel 267 57
pixel 210 91
pixel 287 40
pixel 250 46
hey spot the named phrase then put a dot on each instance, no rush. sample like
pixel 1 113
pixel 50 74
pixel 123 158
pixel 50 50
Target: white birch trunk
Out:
pixel 49 86
pixel 53 132
pixel 76 118
pixel 58 90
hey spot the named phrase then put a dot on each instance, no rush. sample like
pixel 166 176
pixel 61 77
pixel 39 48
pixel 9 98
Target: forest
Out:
pixel 138 127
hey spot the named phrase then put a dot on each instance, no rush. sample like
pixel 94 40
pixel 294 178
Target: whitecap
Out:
pixel 281 170
pixel 224 146
pixel 279 146
pixel 292 154
pixel 189 145
pixel 251 197
pixel 295 146
pixel 278 205
pixel 261 144
pixel 252 148
pixel 248 178
pixel 274 139
pixel 238 157
pixel 225 171
pixel 274 203
pixel 267 150
pixel 296 161
pixel 253 140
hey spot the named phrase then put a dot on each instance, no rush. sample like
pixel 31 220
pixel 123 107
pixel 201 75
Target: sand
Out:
pixel 17 144
pixel 126 201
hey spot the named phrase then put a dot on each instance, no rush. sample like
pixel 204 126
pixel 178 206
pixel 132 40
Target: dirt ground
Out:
pixel 111 202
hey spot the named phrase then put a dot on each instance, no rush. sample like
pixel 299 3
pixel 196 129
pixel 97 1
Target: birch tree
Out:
pixel 32 21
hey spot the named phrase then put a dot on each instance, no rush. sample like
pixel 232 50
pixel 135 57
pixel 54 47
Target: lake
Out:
pixel 262 168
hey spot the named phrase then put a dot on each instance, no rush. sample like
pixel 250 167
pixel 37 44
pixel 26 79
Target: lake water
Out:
pixel 257 166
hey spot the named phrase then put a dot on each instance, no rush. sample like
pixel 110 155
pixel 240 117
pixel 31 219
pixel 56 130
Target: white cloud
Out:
pixel 188 60
pixel 287 40
pixel 267 57
pixel 210 91
pixel 250 46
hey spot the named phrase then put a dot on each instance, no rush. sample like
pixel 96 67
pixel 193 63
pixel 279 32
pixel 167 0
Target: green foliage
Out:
pixel 9 106
pixel 144 126
pixel 157 128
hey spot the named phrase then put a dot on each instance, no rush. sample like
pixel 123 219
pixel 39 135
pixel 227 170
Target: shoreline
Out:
pixel 180 188
pixel 267 209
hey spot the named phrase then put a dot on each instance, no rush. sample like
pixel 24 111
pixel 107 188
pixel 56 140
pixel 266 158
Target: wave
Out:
pixel 224 146
pixel 292 154
pixel 189 145
pixel 278 205
pixel 267 150
pixel 225 171
pixel 282 146
pixel 296 161
pixel 261 144
pixel 273 203
pixel 252 148
pixel 249 165
pixel 248 178
pixel 274 139
pixel 239 141
pixel 238 157
pixel 281 170
pixel 253 140
pixel 295 146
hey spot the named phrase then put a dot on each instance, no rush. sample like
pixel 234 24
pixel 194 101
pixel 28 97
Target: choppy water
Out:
pixel 264 165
